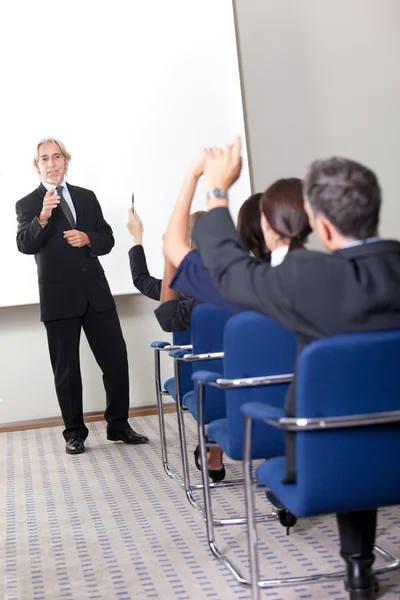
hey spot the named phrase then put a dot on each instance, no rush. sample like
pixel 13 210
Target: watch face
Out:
pixel 218 193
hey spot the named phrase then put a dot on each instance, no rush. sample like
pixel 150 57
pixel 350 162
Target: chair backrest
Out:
pixel 207 325
pixel 255 345
pixel 183 338
pixel 351 374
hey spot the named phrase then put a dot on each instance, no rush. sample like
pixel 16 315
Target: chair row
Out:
pixel 346 432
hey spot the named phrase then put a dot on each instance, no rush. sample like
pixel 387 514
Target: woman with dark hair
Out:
pixel 284 225
pixel 249 226
pixel 284 221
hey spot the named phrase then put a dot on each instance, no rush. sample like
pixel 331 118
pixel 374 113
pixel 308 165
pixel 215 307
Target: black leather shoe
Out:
pixel 216 475
pixel 75 445
pixel 361 580
pixel 128 436
pixel 375 582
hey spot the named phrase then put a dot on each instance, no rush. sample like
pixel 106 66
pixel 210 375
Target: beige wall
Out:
pixel 26 383
pixel 322 78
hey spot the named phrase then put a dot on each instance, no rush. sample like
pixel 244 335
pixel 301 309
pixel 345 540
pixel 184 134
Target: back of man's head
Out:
pixel 345 193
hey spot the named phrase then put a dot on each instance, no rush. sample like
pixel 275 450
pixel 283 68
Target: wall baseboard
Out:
pixel 145 411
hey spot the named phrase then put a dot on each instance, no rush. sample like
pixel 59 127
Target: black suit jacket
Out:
pixel 311 293
pixel 173 315
pixel 69 277
pixel 142 280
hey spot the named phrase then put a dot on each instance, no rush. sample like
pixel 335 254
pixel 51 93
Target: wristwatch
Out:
pixel 218 193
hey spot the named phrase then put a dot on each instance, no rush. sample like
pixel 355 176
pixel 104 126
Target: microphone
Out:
pixel 133 202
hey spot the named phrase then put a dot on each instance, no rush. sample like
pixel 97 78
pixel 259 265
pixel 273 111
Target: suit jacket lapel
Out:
pixel 42 191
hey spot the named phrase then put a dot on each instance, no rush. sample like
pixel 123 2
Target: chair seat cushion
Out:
pixel 214 405
pixel 267 440
pixel 169 387
pixel 328 495
pixel 218 431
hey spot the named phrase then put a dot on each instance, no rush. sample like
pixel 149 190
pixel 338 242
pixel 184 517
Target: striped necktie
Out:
pixel 65 207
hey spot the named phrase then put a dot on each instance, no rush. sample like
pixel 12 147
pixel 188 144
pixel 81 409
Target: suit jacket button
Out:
pixel 83 269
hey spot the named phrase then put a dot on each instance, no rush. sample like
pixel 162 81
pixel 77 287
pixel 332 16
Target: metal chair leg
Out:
pixel 251 523
pixel 209 519
pixel 393 562
pixel 160 408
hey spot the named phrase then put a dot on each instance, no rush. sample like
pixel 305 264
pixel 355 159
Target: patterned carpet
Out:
pixel 110 525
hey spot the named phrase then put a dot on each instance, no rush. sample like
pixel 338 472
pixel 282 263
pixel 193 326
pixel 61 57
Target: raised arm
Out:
pixel 142 280
pixel 172 314
pixel 239 277
pixel 176 242
pixel 34 221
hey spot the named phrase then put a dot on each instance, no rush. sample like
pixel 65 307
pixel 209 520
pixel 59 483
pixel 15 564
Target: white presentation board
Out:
pixel 134 89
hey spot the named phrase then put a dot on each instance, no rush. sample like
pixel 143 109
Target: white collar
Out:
pixel 51 186
pixel 278 255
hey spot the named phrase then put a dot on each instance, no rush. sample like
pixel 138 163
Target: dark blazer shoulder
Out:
pixel 76 189
pixel 35 195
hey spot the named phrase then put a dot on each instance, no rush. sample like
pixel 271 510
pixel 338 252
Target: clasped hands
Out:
pixel 220 166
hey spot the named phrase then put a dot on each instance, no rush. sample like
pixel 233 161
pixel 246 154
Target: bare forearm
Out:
pixel 166 293
pixel 176 244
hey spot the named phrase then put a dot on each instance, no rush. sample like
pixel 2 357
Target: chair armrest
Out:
pixel 167 347
pixel 159 345
pixel 344 422
pixel 178 353
pixel 263 412
pixel 277 417
pixel 183 355
pixel 247 382
pixel 205 376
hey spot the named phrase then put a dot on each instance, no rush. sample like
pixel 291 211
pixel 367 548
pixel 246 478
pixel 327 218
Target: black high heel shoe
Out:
pixel 216 475
pixel 286 518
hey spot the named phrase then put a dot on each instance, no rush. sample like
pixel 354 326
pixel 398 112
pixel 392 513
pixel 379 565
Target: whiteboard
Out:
pixel 134 90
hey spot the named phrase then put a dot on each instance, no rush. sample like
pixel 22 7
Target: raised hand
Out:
pixel 196 167
pixel 135 227
pixel 223 166
pixel 50 201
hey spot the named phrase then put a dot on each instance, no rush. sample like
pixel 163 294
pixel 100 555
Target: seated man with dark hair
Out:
pixel 355 287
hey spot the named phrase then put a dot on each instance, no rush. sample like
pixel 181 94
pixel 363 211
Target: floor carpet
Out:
pixel 110 524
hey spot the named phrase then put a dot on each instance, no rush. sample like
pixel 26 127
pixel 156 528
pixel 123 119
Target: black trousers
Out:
pixel 357 532
pixel 103 332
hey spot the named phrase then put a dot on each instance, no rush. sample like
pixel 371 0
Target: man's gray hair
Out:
pixel 53 140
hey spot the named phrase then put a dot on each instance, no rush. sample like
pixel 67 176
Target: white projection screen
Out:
pixel 135 90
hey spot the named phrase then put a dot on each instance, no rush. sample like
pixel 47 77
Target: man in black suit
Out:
pixel 355 287
pixel 63 226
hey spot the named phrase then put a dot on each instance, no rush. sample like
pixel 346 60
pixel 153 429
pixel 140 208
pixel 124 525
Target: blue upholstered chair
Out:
pixel 180 340
pixel 347 435
pixel 256 349
pixel 207 328
pixel 202 343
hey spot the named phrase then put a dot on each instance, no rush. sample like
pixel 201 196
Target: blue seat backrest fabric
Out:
pixel 184 338
pixel 255 345
pixel 207 325
pixel 351 374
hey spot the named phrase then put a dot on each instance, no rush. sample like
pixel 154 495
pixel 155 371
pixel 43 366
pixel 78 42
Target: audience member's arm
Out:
pixel 169 271
pixel 194 280
pixel 142 280
pixel 176 242
pixel 172 314
pixel 239 277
